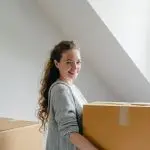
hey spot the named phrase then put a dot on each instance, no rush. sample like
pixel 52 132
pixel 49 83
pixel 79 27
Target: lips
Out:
pixel 72 73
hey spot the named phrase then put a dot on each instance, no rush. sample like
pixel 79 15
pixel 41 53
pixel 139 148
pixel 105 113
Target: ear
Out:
pixel 56 63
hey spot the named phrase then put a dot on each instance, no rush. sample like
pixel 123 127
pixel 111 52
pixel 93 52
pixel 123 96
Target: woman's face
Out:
pixel 69 65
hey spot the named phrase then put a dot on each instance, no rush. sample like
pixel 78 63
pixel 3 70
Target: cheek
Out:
pixel 63 69
pixel 79 67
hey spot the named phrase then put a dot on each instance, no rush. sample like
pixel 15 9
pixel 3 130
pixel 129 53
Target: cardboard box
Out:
pixel 19 135
pixel 117 126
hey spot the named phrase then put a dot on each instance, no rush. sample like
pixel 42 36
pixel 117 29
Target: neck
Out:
pixel 67 81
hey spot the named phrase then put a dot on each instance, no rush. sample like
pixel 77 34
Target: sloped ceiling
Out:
pixel 78 21
pixel 129 22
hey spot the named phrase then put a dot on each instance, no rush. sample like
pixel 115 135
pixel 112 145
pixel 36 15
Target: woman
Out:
pixel 61 101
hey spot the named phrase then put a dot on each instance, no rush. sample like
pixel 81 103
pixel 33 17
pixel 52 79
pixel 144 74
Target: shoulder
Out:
pixel 61 91
pixel 60 87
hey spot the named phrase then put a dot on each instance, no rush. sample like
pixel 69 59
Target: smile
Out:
pixel 72 73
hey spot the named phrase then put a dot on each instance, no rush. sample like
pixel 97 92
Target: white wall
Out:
pixel 25 39
pixel 25 36
pixel 148 47
pixel 93 86
pixel 128 21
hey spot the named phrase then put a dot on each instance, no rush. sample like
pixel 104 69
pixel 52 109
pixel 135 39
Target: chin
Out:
pixel 72 78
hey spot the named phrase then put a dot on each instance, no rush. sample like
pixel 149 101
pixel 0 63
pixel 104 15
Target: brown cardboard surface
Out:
pixel 9 123
pixel 118 126
pixel 19 135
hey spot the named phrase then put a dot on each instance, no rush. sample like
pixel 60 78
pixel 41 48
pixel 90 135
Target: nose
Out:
pixel 74 65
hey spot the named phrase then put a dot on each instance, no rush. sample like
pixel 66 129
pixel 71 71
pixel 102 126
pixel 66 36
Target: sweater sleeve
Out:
pixel 64 110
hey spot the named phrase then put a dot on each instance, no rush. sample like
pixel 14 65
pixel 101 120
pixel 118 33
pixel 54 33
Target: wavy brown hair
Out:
pixel 50 75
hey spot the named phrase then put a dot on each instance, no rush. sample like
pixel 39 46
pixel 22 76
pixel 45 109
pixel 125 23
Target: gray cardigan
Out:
pixel 65 105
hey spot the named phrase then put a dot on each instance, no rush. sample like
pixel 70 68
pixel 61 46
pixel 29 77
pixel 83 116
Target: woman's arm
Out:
pixel 65 116
pixel 81 142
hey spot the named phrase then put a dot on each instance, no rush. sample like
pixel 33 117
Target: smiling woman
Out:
pixel 61 102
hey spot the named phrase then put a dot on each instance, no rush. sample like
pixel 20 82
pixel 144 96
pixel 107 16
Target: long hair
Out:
pixel 50 75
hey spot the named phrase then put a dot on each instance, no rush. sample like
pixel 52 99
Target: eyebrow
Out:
pixel 72 60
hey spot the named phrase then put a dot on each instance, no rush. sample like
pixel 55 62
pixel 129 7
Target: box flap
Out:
pixel 104 103
pixel 9 123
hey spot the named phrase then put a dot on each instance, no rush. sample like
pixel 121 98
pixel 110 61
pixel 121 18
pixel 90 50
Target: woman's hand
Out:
pixel 81 142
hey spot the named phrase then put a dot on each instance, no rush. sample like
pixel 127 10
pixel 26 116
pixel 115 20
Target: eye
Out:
pixel 79 62
pixel 72 62
pixel 68 62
